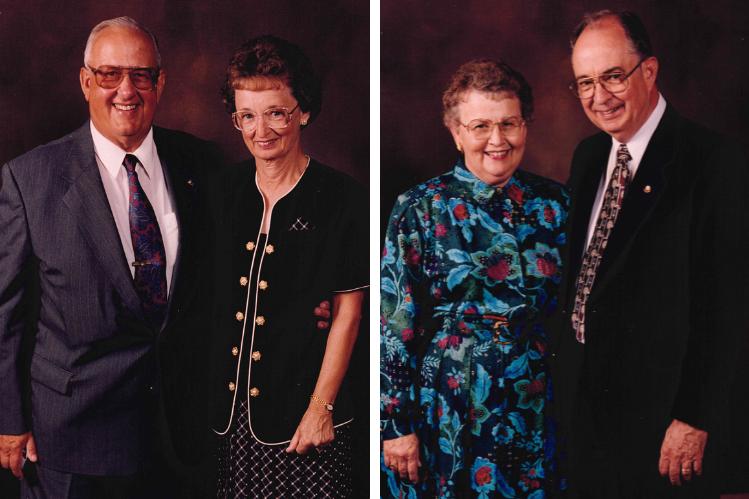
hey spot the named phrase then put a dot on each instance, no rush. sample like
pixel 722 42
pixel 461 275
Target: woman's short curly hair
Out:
pixel 268 58
pixel 486 75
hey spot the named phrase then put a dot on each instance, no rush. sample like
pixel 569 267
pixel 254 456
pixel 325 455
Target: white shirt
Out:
pixel 636 147
pixel 109 158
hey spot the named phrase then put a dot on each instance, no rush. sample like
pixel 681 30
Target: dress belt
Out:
pixel 466 324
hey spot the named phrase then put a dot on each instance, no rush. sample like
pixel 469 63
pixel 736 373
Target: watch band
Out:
pixel 327 405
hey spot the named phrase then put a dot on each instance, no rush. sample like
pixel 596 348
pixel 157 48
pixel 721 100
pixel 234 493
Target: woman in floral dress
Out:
pixel 469 276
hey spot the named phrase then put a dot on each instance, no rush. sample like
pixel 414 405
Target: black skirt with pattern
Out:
pixel 250 469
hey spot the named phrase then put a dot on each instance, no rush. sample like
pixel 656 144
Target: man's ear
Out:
pixel 85 78
pixel 160 84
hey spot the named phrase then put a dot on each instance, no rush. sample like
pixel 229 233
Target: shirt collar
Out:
pixel 637 144
pixel 111 156
pixel 482 192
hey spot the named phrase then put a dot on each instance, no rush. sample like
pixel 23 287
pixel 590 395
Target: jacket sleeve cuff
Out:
pixel 394 428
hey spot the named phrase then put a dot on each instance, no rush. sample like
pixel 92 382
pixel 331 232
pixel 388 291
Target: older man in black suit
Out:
pixel 657 281
pixel 109 225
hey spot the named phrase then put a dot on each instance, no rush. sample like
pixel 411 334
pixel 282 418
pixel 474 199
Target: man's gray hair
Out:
pixel 119 22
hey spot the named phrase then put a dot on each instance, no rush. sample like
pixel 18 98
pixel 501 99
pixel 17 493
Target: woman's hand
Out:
pixel 315 430
pixel 402 456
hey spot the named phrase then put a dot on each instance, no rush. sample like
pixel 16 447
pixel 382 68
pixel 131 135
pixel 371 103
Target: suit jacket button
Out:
pixel 239 316
pixel 260 320
pixel 235 351
pixel 231 387
pixel 262 285
pixel 254 392
pixel 256 355
pixel 250 246
pixel 269 249
pixel 243 281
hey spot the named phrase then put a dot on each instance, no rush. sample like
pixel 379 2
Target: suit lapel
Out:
pixel 584 192
pixel 181 194
pixel 642 196
pixel 88 204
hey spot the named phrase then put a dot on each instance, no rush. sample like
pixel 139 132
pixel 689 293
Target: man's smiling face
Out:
pixel 123 114
pixel 603 49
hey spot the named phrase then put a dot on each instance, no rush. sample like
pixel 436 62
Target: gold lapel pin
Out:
pixel 647 189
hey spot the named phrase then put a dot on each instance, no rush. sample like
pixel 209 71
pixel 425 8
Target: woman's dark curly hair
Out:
pixel 486 75
pixel 268 57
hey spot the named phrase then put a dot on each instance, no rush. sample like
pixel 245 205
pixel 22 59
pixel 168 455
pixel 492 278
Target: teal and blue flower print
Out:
pixel 498 263
pixel 465 367
pixel 483 476
pixel 544 262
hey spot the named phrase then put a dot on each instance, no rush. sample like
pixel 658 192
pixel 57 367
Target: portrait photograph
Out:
pixel 184 224
pixel 552 226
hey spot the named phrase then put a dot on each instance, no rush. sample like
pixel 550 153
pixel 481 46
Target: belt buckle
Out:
pixel 499 322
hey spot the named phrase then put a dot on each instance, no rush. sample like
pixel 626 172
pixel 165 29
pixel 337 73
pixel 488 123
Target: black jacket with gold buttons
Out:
pixel 316 246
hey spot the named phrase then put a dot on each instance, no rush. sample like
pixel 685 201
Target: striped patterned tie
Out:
pixel 612 204
pixel 150 256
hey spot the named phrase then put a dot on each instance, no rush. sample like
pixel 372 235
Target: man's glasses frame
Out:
pixel 608 81
pixel 109 77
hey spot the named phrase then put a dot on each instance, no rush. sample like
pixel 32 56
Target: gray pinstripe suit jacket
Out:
pixel 95 369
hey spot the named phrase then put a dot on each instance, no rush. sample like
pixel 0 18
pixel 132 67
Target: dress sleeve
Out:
pixel 353 237
pixel 401 271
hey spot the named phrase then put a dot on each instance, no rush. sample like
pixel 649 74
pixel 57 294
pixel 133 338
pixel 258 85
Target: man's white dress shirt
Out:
pixel 636 147
pixel 109 158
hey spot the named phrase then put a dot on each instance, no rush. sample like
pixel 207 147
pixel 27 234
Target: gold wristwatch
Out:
pixel 327 405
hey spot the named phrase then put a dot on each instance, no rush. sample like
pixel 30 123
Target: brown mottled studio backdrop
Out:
pixel 41 53
pixel 702 46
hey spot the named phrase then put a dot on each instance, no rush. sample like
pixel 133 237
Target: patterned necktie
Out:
pixel 150 256
pixel 610 208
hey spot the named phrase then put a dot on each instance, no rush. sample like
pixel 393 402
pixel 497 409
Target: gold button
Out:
pixel 235 351
pixel 263 285
pixel 254 392
pixel 243 281
pixel 260 320
pixel 231 387
pixel 647 188
pixel 240 316
pixel 255 355
pixel 250 246
pixel 269 249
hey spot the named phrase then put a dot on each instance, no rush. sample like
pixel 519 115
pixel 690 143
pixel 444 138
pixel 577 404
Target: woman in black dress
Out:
pixel 291 232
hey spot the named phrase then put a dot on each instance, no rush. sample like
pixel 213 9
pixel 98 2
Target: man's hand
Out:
pixel 323 311
pixel 402 456
pixel 682 452
pixel 11 451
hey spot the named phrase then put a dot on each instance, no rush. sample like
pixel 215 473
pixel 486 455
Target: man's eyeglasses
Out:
pixel 275 117
pixel 614 82
pixel 482 129
pixel 111 76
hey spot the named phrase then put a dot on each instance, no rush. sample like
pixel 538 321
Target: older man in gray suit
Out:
pixel 103 238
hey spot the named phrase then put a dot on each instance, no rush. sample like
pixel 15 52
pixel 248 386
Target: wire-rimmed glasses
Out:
pixel 614 82
pixel 483 129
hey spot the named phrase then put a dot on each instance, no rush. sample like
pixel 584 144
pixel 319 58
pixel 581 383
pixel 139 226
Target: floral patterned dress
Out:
pixel 469 274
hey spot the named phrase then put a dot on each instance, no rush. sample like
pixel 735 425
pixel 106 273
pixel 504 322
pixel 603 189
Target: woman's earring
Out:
pixel 304 122
pixel 460 148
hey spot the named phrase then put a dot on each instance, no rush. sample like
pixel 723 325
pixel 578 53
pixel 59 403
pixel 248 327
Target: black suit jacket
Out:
pixel 667 311
pixel 96 374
